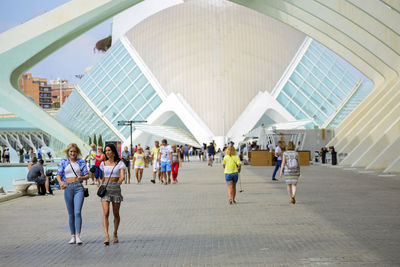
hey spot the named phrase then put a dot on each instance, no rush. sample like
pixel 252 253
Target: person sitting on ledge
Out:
pixel 36 174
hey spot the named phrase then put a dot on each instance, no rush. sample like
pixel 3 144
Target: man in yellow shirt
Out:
pixel 231 164
pixel 154 159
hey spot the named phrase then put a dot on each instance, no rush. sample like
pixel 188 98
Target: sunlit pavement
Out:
pixel 341 217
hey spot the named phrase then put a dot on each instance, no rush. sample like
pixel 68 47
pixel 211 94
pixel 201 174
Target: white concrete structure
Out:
pixel 366 33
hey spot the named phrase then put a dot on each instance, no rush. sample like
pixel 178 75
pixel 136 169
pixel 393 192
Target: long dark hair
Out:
pixel 114 150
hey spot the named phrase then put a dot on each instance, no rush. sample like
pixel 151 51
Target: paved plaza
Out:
pixel 342 217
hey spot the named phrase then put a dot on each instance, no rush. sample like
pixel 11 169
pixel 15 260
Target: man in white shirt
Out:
pixel 278 155
pixel 270 147
pixel 165 159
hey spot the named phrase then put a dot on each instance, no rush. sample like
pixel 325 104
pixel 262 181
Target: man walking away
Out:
pixel 210 154
pixel 278 155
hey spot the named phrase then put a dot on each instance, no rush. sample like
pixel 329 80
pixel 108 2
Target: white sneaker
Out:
pixel 73 240
pixel 78 240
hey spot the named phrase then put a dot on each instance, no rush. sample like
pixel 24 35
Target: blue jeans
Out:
pixel 277 166
pixel 98 173
pixel 73 196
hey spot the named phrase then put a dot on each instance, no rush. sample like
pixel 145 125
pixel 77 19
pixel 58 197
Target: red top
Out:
pixel 99 160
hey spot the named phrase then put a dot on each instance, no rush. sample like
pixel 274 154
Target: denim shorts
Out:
pixel 165 166
pixel 232 177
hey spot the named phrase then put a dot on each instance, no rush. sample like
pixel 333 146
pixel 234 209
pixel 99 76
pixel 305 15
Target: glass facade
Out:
pixel 120 91
pixel 320 84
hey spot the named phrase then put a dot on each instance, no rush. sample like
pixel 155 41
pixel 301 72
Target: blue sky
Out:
pixel 68 61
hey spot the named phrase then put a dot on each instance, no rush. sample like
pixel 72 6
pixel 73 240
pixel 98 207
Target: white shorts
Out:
pixel 156 166
pixel 139 166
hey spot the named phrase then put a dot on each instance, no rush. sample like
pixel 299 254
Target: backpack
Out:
pixel 292 164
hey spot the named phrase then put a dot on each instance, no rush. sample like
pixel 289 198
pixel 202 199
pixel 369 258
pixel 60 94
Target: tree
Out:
pixel 55 105
pixel 90 140
pixel 104 44
pixel 95 140
pixel 100 141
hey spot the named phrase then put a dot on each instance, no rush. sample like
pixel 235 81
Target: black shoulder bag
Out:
pixel 85 190
pixel 101 192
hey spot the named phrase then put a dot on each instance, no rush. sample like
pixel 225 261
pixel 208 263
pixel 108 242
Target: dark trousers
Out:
pixel 277 166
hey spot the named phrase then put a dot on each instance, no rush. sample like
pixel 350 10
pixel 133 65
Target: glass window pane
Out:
pixel 114 94
pixel 318 73
pixel 289 89
pixel 313 81
pixel 325 107
pixel 310 109
pixel 138 118
pixel 148 92
pixel 138 102
pixel 108 88
pixel 129 111
pixel 299 99
pixel 131 64
pixel 140 82
pixel 124 84
pixel 131 92
pixel 120 117
pixel 124 60
pixel 307 89
pixel 307 63
pixel 302 70
pixel 119 76
pixel 301 116
pixel 292 109
pixel 328 84
pixel 317 99
pixel 283 99
pixel 98 98
pixel 296 79
pixel 155 102
pixel 134 74
pixel 126 132
pixel 104 105
pixel 121 102
pixel 111 113
pixel 103 82
pixel 114 71
pixel 146 111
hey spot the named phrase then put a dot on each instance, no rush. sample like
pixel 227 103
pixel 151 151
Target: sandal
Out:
pixel 107 241
pixel 115 239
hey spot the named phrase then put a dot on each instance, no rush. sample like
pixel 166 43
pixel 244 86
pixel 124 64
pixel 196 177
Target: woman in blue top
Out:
pixel 71 172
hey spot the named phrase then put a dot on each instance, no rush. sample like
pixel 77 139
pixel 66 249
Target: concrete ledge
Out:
pixel 9 196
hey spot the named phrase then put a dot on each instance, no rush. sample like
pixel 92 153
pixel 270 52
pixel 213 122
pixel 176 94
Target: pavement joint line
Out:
pixel 339 219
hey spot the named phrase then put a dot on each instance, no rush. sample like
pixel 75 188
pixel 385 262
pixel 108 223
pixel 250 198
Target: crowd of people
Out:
pixel 107 168
pixel 24 155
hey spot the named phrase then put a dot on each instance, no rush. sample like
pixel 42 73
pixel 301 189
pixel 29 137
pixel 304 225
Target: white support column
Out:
pixel 368 121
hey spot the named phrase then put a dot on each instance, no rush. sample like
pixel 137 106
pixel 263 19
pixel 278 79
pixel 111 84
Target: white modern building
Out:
pixel 199 70
pixel 205 70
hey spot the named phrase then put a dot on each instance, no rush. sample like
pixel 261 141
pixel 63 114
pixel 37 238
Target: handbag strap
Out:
pixel 74 172
pixel 109 178
pixel 73 169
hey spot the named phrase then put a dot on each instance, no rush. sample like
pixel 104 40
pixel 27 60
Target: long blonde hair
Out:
pixel 72 145
pixel 231 151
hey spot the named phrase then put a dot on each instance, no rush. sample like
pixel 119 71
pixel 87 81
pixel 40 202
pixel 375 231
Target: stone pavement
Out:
pixel 342 217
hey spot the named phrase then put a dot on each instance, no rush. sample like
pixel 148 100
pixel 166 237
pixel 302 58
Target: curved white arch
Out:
pixel 341 25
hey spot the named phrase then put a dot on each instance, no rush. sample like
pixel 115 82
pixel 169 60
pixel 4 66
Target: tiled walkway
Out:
pixel 341 217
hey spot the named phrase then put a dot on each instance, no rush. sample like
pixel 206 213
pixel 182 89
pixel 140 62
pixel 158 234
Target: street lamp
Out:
pixel 60 82
pixel 130 123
